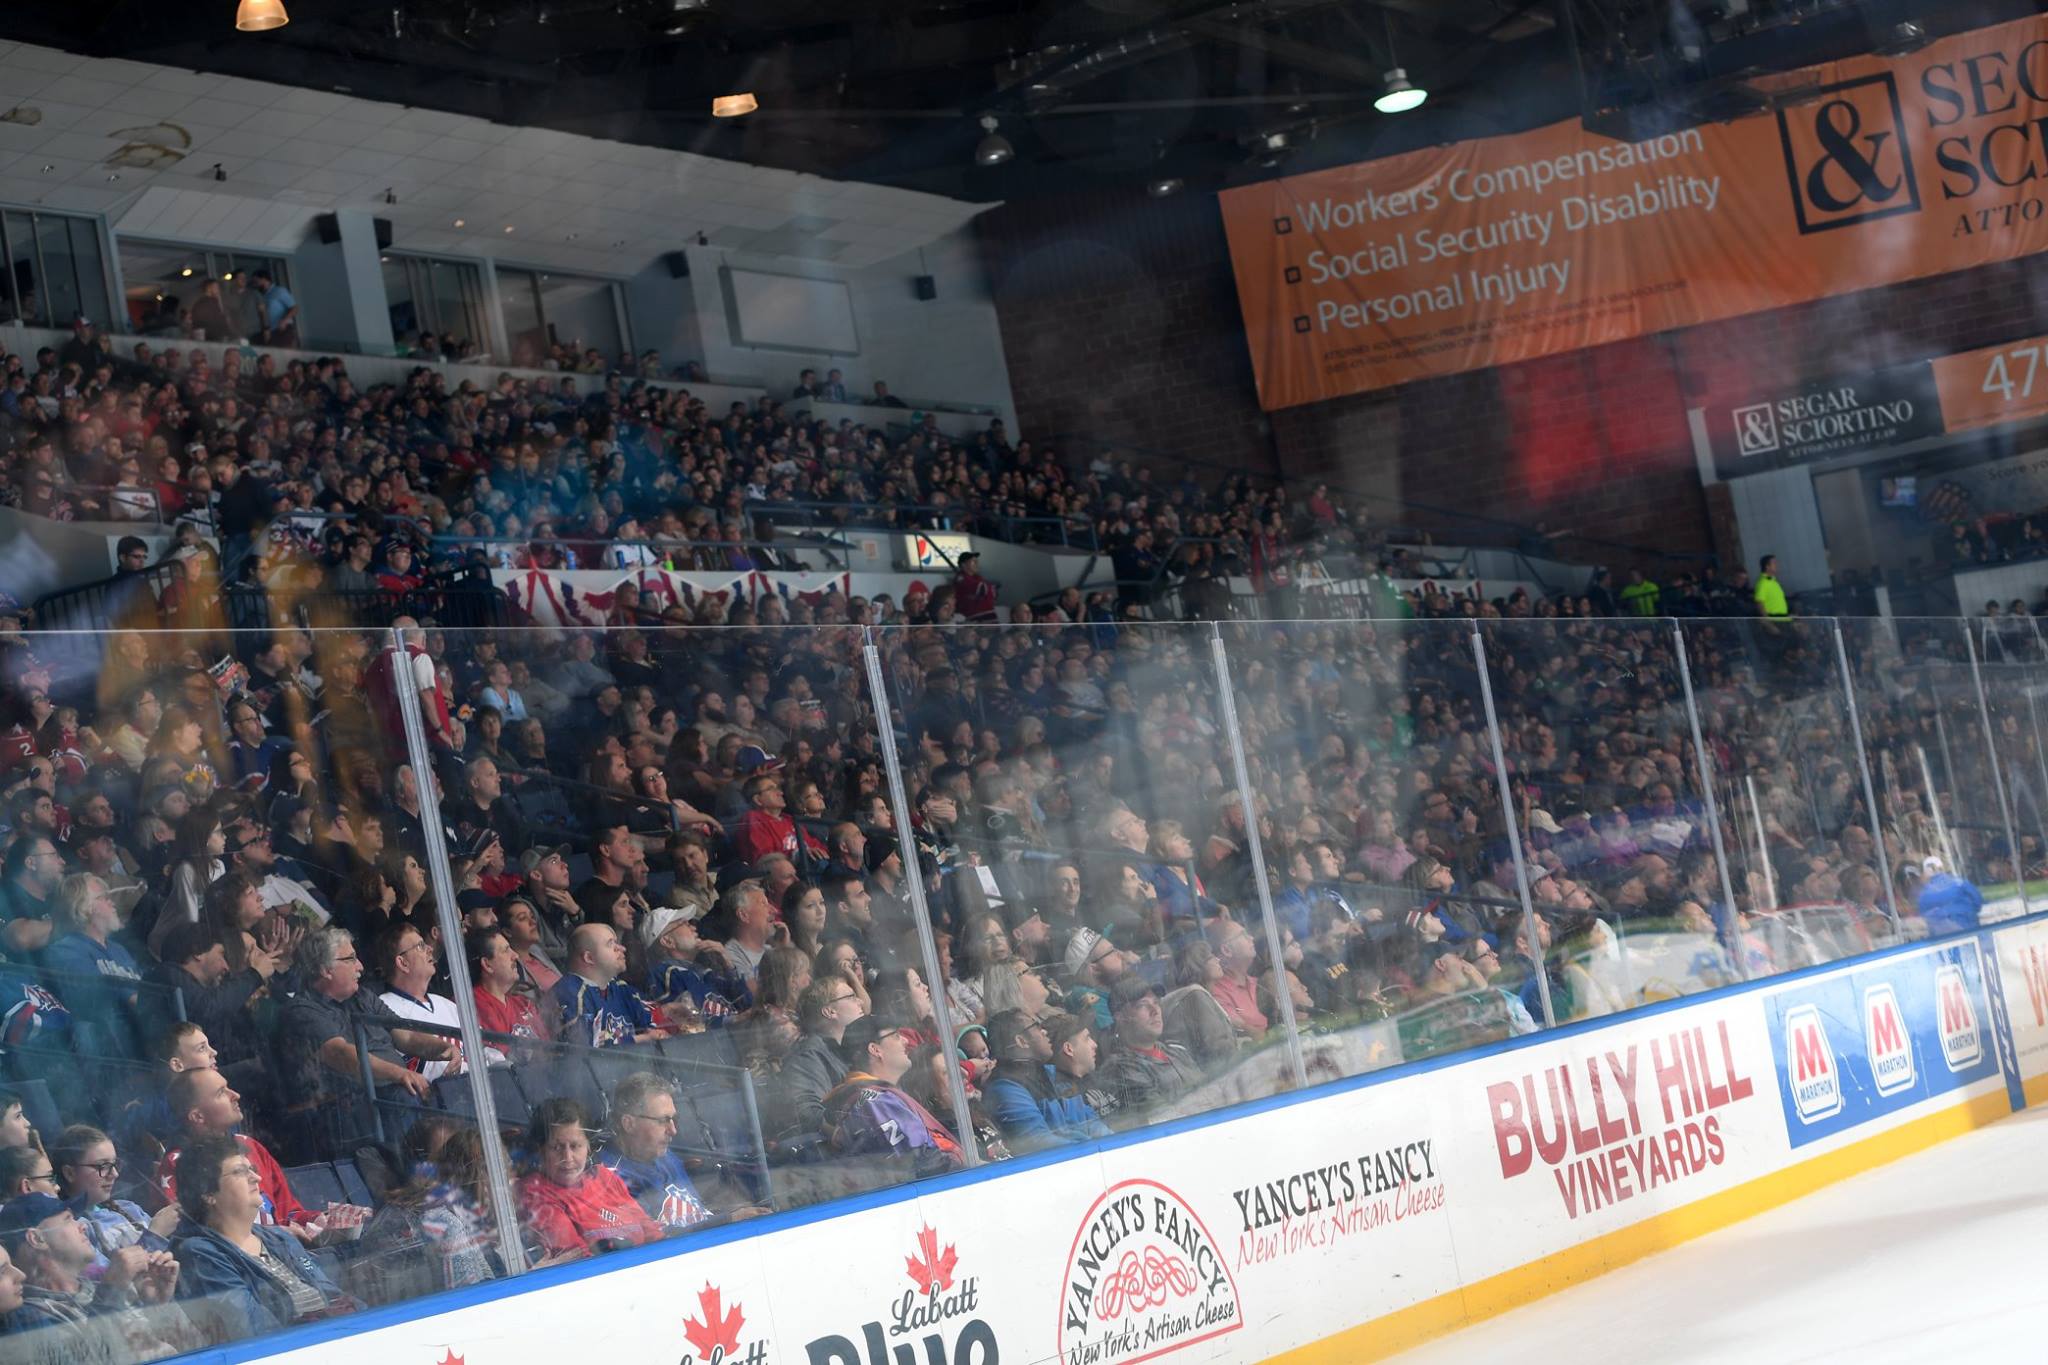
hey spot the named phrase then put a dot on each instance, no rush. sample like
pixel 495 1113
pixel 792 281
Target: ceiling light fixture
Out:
pixel 1903 37
pixel 460 222
pixel 1165 186
pixel 254 16
pixel 228 275
pixel 993 149
pixel 218 173
pixel 734 106
pixel 1400 95
pixel 186 273
pixel 508 227
pixel 390 196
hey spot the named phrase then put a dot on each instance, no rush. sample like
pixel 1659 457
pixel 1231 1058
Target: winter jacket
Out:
pixel 1035 1107
pixel 229 1290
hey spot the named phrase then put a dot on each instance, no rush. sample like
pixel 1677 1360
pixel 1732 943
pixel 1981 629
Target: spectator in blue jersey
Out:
pixel 101 976
pixel 868 1114
pixel 643 1122
pixel 1034 1104
pixel 1949 904
pixel 680 983
pixel 598 1008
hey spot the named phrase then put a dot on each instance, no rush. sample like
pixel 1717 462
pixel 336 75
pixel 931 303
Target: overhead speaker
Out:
pixel 383 226
pixel 678 264
pixel 927 287
pixel 329 228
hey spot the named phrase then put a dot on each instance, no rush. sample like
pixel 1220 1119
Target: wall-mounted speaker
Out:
pixel 383 226
pixel 678 264
pixel 927 287
pixel 329 228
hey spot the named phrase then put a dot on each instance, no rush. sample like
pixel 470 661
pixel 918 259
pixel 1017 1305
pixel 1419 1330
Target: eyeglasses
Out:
pixel 665 1120
pixel 50 1175
pixel 106 1169
pixel 838 998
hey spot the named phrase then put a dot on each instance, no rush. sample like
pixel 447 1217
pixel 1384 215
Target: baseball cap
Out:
pixel 26 1212
pixel 1543 820
pixel 540 853
pixel 473 847
pixel 752 758
pixel 1931 865
pixel 1080 948
pixel 1129 990
pixel 663 918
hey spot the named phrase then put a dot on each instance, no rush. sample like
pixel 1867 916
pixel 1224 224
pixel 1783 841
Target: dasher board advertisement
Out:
pixel 1497 250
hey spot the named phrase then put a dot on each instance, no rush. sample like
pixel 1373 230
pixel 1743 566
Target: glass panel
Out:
pixel 92 273
pixel 1921 722
pixel 1083 850
pixel 1381 819
pixel 583 320
pixel 2011 663
pixel 1606 785
pixel 30 292
pixel 217 876
pixel 1799 841
pixel 163 283
pixel 519 300
pixel 62 300
pixel 454 287
pixel 706 799
pixel 402 300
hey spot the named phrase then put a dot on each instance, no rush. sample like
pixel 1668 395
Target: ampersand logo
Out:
pixel 1846 155
pixel 1756 429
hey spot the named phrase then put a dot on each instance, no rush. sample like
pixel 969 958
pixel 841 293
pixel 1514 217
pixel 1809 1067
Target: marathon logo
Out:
pixel 1962 1041
pixel 1885 1039
pixel 2034 970
pixel 1605 1141
pixel 1816 1080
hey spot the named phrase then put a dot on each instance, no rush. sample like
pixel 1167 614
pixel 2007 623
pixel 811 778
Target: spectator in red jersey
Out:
pixel 501 1005
pixel 974 597
pixel 768 828
pixel 576 1207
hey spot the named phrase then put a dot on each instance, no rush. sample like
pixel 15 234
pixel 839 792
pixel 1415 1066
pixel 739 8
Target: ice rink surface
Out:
pixel 1937 1259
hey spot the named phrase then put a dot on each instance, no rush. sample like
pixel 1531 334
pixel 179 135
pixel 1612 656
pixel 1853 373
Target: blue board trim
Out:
pixel 453 1300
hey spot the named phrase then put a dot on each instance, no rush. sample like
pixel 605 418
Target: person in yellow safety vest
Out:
pixel 1770 593
pixel 1639 598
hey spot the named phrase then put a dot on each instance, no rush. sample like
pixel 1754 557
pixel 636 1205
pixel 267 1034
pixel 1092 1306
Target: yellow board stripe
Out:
pixel 2035 1089
pixel 1396 1332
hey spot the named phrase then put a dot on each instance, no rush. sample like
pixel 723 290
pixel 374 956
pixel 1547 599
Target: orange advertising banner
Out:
pixel 1993 386
pixel 1488 252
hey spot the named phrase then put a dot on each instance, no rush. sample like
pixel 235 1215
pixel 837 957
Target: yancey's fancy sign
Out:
pixel 1503 249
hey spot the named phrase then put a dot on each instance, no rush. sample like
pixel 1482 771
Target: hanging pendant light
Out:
pixel 255 16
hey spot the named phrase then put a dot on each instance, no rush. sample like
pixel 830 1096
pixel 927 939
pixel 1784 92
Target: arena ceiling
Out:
pixel 1088 92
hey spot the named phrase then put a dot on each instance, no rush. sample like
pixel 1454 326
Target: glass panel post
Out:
pixel 1699 750
pixel 920 910
pixel 1507 810
pixel 1282 997
pixel 1875 813
pixel 477 1065
pixel 2012 841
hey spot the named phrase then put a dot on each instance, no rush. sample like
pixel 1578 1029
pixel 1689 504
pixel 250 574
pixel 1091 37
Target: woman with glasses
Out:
pixel 243 1279
pixel 86 1170
pixel 572 1206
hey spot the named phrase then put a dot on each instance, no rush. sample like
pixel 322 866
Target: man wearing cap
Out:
pixel 595 1007
pixel 277 309
pixel 83 349
pixel 546 869
pixel 1035 1104
pixel 973 596
pixel 869 1115
pixel 127 1313
pixel 1143 1068
pixel 1094 965
pixel 676 983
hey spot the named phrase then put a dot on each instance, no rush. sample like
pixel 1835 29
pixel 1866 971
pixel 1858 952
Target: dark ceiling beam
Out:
pixel 1294 52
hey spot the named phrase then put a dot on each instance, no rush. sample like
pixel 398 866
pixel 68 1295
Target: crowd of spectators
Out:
pixel 679 874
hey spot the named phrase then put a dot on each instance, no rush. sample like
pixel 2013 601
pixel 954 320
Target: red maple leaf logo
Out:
pixel 719 1332
pixel 451 1358
pixel 932 1269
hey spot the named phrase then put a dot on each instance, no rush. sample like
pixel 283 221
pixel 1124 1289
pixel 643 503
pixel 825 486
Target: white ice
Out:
pixel 1940 1257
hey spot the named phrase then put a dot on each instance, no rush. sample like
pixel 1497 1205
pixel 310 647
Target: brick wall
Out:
pixel 1120 319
